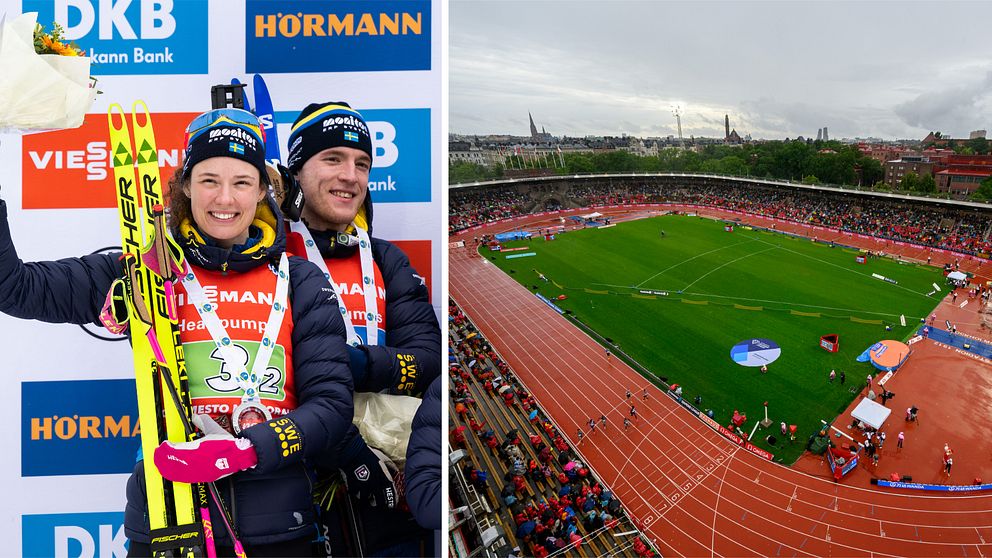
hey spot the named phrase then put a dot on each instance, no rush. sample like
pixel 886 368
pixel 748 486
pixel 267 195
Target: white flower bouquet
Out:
pixel 45 82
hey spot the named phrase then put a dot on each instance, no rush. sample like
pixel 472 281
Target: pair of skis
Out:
pixel 144 302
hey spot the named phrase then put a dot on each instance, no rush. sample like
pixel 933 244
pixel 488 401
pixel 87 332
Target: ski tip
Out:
pixel 116 124
pixel 140 115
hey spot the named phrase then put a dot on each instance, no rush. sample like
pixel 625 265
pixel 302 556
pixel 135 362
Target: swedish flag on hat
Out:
pixel 321 126
pixel 224 137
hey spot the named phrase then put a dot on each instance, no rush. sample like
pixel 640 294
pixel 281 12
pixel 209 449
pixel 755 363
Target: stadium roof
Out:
pixel 756 181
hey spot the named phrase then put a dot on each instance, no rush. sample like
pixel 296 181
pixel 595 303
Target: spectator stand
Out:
pixel 931 226
pixel 506 434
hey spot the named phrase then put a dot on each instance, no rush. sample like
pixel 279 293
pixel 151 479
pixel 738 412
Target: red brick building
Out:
pixel 883 153
pixel 962 174
pixel 897 169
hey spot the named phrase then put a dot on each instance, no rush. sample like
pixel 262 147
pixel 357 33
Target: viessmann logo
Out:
pixel 133 37
pixel 293 36
pixel 70 169
pixel 79 427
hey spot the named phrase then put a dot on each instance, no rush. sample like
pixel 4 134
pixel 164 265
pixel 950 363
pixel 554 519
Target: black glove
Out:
pixel 371 477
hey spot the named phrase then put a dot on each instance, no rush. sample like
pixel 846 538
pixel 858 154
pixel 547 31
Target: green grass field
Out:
pixel 725 288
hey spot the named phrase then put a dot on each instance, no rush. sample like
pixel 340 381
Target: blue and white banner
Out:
pixel 74 534
pixel 80 427
pixel 72 400
pixel 401 142
pixel 133 37
pixel 342 36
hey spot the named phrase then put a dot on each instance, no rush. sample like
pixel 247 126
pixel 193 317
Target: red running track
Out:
pixel 692 491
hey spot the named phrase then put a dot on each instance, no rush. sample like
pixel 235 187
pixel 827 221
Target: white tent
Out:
pixel 591 215
pixel 871 413
pixel 957 276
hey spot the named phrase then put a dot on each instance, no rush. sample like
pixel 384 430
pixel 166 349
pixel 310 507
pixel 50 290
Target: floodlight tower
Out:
pixel 678 121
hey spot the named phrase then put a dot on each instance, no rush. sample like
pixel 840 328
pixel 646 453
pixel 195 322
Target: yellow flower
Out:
pixel 65 50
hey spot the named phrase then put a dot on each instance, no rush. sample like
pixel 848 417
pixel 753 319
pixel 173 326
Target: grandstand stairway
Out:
pixel 490 409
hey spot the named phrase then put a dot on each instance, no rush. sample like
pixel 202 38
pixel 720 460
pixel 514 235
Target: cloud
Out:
pixel 953 110
pixel 778 69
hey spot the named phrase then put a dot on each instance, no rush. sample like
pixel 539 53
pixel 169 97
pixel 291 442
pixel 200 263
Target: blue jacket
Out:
pixel 412 330
pixel 423 460
pixel 272 502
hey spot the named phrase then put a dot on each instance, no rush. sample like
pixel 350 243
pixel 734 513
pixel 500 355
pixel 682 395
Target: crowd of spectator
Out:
pixel 927 224
pixel 485 206
pixel 567 496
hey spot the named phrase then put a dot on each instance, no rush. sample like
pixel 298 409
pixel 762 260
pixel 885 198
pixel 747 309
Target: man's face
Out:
pixel 335 183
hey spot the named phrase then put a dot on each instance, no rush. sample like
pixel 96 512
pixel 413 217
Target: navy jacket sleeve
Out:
pixel 71 290
pixel 423 461
pixel 411 357
pixel 321 375
pixel 343 453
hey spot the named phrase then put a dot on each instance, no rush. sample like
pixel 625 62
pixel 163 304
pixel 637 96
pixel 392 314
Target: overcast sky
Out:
pixel 779 69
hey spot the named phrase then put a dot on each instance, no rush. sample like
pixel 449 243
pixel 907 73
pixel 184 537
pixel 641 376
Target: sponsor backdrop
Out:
pixel 73 421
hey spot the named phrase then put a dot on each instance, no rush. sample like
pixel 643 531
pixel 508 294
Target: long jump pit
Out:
pixel 952 389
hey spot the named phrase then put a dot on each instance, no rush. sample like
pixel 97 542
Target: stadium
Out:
pixel 721 356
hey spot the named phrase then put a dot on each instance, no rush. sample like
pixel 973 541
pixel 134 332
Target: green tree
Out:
pixel 978 145
pixel 463 171
pixel 910 182
pixel 984 191
pixel 811 179
pixel 834 168
pixel 792 160
pixel 615 161
pixel 872 171
pixel 927 184
pixel 733 165
pixel 578 162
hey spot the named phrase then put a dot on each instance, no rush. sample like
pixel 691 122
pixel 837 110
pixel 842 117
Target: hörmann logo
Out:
pixel 289 36
pixel 78 427
pixel 318 25
pixel 71 169
pixel 86 535
pixel 127 37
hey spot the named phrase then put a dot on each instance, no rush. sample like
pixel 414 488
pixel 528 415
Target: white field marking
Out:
pixel 842 267
pixel 718 268
pixel 671 267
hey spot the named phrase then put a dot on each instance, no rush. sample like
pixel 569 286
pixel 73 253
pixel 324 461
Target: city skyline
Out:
pixel 885 69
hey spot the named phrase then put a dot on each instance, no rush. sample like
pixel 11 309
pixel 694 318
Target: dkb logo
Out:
pixel 133 36
pixel 82 535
